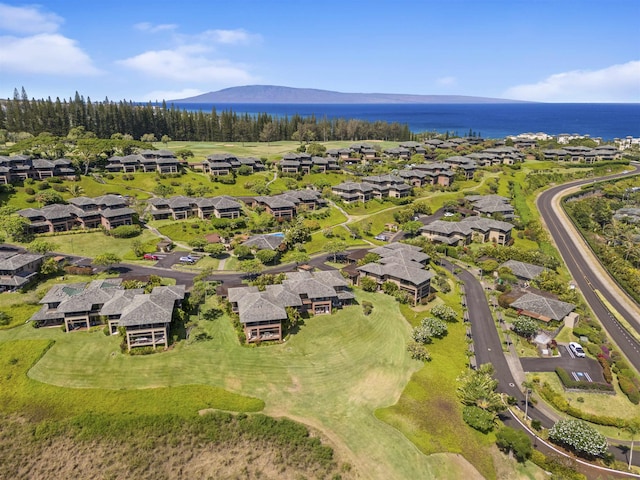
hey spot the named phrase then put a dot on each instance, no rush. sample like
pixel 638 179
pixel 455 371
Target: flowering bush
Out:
pixel 579 437
pixel 428 329
pixel 525 326
pixel 444 312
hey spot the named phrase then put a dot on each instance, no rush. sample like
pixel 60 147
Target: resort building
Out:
pixel 108 211
pixel 262 312
pixel 542 308
pixel 469 229
pixel 18 269
pixel 18 168
pixel 403 265
pixel 226 164
pixel 146 318
pixel 160 161
pixel 180 207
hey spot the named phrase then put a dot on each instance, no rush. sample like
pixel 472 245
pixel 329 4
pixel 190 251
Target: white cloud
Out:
pixel 187 63
pixel 44 53
pixel 446 81
pixel 170 94
pixel 229 37
pixel 148 27
pixel 617 83
pixel 27 20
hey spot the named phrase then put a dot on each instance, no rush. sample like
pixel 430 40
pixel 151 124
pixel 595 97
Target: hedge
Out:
pixel 606 368
pixel 558 401
pixel 125 231
pixel 75 270
pixel 569 382
pixel 552 465
pixel 629 388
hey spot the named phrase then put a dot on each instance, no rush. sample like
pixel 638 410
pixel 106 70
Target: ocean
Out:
pixel 604 120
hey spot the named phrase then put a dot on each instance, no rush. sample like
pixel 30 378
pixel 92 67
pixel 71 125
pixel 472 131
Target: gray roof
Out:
pixel 264 242
pixel 133 306
pixel 543 306
pixel 18 261
pixel 147 310
pixel 406 273
pixel 523 270
pixel 401 251
pixel 351 186
pixel 269 305
pixel 466 226
pixel 259 307
pixel 490 203
pixel 116 212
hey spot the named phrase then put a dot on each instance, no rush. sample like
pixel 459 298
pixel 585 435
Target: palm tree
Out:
pixel 633 427
pixel 75 190
pixel 528 389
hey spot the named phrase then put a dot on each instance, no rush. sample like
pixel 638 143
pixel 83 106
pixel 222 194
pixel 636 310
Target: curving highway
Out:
pixel 587 272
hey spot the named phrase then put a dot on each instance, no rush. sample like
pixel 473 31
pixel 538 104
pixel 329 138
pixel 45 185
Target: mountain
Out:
pixel 277 94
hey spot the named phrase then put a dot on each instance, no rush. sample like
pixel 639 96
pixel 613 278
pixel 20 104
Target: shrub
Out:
pixel 629 389
pixel 606 368
pixel 525 326
pixel 509 439
pixel 60 188
pixel 367 307
pixel 418 351
pixel 31 199
pixel 569 382
pixel 593 349
pixel 478 418
pixel 444 312
pixel 75 270
pixel 579 437
pixel 368 284
pixel 126 231
pixel 558 468
pixel 29 191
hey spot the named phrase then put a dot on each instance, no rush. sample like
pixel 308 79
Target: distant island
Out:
pixel 278 94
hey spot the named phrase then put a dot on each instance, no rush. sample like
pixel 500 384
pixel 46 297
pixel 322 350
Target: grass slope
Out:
pixel 429 412
pixel 332 375
pixel 38 401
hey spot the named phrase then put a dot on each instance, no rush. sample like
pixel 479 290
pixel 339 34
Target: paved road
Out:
pixel 590 276
pixel 488 349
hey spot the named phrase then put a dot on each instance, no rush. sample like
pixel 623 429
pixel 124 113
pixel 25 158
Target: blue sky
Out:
pixel 541 50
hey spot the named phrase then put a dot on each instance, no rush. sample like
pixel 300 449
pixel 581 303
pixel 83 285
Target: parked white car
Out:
pixel 577 350
pixel 188 259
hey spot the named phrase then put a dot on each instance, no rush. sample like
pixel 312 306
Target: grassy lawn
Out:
pixel 39 401
pixel 318 240
pixel 335 217
pixel 429 412
pixel 596 403
pixel 332 375
pixel 93 243
pixel 184 230
pixel 272 151
pixel 17 310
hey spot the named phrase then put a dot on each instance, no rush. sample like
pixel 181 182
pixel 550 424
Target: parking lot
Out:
pixel 586 369
pixel 167 260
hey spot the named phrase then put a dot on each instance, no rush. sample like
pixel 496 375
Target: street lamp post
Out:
pixel 526 403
